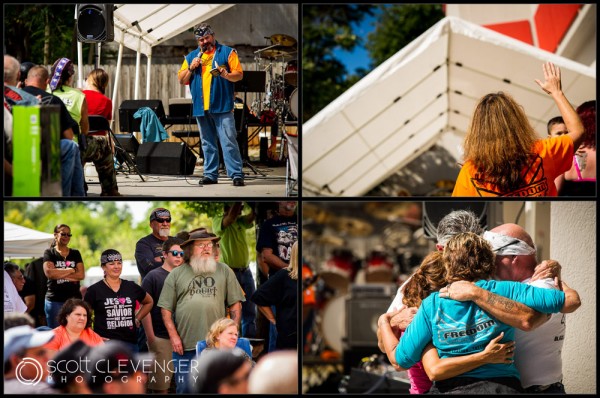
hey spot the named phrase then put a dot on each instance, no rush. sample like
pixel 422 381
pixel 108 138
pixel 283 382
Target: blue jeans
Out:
pixel 182 375
pixel 248 307
pixel 52 308
pixel 273 333
pixel 220 126
pixel 71 168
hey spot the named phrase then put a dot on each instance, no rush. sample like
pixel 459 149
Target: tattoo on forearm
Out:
pixel 494 299
pixel 234 315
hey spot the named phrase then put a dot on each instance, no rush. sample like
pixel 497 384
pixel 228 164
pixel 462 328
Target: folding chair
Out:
pixel 99 123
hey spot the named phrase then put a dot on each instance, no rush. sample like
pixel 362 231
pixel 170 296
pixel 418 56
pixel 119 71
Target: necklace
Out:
pixel 111 288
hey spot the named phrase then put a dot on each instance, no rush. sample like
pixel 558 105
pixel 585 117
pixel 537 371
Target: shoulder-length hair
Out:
pixel 428 278
pixel 468 257
pixel 499 141
pixel 69 306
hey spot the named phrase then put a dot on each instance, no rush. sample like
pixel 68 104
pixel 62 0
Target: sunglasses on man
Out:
pixel 176 253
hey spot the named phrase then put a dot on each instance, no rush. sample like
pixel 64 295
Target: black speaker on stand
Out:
pixel 128 108
pixel 95 23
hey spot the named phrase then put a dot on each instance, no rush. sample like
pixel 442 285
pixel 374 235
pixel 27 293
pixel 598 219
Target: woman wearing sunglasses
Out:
pixel 63 267
pixel 156 332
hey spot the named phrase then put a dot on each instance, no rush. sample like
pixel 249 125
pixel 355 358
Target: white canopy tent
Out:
pixel 22 242
pixel 422 96
pixel 142 26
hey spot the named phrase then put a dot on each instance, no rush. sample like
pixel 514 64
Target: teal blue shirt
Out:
pixel 461 328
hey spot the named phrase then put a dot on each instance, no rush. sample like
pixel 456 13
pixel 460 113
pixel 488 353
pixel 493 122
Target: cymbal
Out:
pixel 353 226
pixel 316 213
pixel 283 40
pixel 274 53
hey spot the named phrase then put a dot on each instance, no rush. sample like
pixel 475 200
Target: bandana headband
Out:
pixel 503 245
pixel 110 257
pixel 64 64
pixel 203 31
pixel 163 213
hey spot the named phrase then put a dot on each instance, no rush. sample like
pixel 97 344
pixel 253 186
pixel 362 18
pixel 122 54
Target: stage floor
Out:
pixel 268 182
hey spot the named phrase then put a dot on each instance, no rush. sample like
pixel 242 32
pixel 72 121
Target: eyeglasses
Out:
pixel 162 220
pixel 20 277
pixel 176 253
pixel 209 244
pixel 64 234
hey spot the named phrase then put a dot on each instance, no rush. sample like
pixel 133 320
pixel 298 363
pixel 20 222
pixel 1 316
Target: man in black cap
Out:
pixel 148 250
pixel 25 67
pixel 199 292
pixel 221 372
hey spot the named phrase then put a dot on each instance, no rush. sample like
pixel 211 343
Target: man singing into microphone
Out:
pixel 211 70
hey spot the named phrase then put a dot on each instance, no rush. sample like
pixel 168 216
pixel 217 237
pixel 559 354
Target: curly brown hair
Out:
pixel 499 141
pixel 468 257
pixel 69 306
pixel 428 278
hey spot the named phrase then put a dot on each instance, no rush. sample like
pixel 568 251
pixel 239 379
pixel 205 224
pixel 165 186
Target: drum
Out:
pixel 291 73
pixel 379 268
pixel 294 103
pixel 333 323
pixel 337 274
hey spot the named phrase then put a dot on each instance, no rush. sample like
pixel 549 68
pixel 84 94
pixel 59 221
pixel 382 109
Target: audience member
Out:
pixel 25 288
pixel 64 269
pixel 154 327
pixel 503 155
pixel 12 94
pixel 70 159
pixel 34 270
pixel 25 360
pixel 68 369
pixel 220 372
pixel 231 226
pixel 199 286
pixel 224 335
pixel 12 301
pixel 284 364
pixel 75 320
pixel 113 301
pixel 149 249
pixel 116 369
pixel 556 127
pixel 14 319
pixel 24 70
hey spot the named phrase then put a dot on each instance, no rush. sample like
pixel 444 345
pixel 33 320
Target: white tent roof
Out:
pixel 424 95
pixel 156 23
pixel 22 242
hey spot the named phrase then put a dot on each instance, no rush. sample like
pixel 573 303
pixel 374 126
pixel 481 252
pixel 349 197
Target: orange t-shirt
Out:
pixel 61 338
pixel 554 157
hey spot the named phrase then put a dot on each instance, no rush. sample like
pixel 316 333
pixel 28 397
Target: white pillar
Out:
pixel 117 80
pixel 148 73
pixel 80 64
pixel 573 245
pixel 136 94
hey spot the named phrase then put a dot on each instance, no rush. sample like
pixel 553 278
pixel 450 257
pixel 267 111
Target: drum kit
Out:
pixel 281 91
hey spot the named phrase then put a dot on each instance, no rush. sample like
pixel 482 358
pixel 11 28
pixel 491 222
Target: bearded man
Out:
pixel 199 292
pixel 148 250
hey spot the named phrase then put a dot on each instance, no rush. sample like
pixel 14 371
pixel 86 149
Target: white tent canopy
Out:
pixel 22 242
pixel 424 95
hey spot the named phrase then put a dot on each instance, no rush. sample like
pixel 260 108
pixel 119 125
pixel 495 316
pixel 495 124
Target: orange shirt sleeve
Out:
pixel 463 186
pixel 234 62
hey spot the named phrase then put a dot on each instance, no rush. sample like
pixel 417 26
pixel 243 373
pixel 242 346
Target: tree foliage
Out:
pixel 325 28
pixel 398 25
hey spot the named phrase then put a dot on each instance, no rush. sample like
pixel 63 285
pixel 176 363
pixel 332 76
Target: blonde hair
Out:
pixel 468 257
pixel 216 329
pixel 499 141
pixel 293 267
pixel 429 277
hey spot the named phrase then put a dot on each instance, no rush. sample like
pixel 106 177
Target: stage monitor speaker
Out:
pixel 361 320
pixel 433 212
pixel 361 381
pixel 171 158
pixel 95 23
pixel 128 142
pixel 128 108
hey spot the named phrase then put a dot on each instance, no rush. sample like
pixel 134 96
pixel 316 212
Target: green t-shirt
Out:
pixel 198 300
pixel 234 248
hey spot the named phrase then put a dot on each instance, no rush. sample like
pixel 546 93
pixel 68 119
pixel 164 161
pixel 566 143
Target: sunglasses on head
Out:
pixel 64 234
pixel 162 220
pixel 176 253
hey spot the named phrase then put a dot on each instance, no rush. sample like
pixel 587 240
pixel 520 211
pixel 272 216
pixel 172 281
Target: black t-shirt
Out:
pixel 114 312
pixel 66 120
pixel 146 249
pixel 153 284
pixel 28 288
pixel 60 290
pixel 279 234
pixel 282 292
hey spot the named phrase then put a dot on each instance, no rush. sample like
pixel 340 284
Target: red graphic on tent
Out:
pixel 536 184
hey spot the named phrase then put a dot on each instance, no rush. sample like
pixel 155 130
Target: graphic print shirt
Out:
pixel 60 290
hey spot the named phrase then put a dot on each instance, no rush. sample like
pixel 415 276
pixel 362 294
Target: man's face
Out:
pixel 161 227
pixel 287 208
pixel 29 370
pixel 203 248
pixel 207 43
pixel 558 129
pixel 174 260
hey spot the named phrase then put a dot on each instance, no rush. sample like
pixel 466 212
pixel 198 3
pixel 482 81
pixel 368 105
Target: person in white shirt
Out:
pixel 12 301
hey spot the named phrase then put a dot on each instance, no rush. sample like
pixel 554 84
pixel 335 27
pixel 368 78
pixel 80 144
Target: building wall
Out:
pixel 573 244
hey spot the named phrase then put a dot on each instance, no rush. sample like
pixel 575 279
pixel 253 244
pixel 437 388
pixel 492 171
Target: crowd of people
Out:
pixel 480 315
pixel 185 315
pixel 35 85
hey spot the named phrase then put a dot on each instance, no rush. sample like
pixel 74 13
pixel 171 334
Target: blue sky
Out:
pixel 359 57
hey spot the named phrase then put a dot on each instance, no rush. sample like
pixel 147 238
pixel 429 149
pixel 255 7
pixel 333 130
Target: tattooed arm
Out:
pixel 235 313
pixel 508 311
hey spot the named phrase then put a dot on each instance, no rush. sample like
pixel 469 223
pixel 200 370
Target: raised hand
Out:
pixel 552 84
